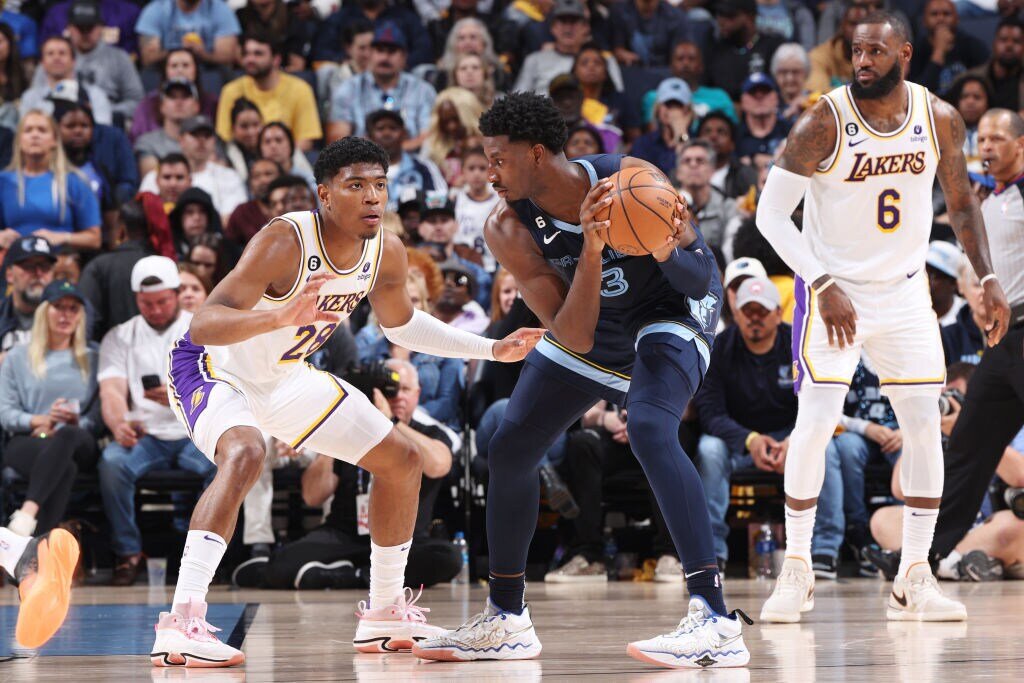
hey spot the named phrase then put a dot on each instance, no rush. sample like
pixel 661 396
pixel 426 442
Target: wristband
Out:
pixel 750 437
pixel 990 276
pixel 825 285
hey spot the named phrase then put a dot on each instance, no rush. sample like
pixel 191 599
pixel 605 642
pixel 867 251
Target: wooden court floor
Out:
pixel 306 636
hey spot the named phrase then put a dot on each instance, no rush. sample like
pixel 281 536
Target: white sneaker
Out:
pixel 917 597
pixel 578 570
pixel 702 640
pixel 793 593
pixel 395 627
pixel 183 638
pixel 492 634
pixel 668 570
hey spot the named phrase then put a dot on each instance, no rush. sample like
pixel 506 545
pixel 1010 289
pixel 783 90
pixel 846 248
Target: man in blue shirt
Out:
pixel 329 42
pixel 674 115
pixel 383 86
pixel 406 170
pixel 207 28
pixel 26 32
pixel 644 31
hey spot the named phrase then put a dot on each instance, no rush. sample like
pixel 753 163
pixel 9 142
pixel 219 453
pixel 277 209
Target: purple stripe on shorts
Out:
pixel 187 381
pixel 799 321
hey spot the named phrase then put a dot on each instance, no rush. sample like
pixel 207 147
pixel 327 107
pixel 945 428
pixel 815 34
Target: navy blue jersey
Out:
pixel 636 297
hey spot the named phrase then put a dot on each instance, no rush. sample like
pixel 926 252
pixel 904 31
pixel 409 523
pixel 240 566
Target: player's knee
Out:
pixel 515 450
pixel 401 460
pixel 243 459
pixel 649 427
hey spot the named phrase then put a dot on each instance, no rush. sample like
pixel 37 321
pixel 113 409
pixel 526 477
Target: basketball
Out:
pixel 641 212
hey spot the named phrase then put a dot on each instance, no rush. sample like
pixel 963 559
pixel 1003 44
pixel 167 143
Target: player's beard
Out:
pixel 881 87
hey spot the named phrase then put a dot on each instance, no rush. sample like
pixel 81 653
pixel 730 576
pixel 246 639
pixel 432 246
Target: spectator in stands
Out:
pixel 117 21
pixel 437 230
pixel 603 104
pixel 715 213
pixel 289 193
pixel 194 287
pixel 382 14
pixel 179 101
pixel 102 153
pixel 673 113
pixel 48 408
pixel 206 28
pixel 972 97
pixel 42 194
pixel 788 19
pixel 279 96
pixel 831 64
pixel 101 64
pixel 456 305
pixel 385 86
pixel 567 94
pixel 583 140
pixel 747 409
pixel 472 73
pixel 943 267
pixel 178 64
pixel 761 128
pixel 944 51
pixel 212 256
pixel 173 176
pixel 741 50
pixel 962 341
pixel 356 38
pixel 192 216
pixel 68 266
pixel 243 146
pixel 26 33
pixel 454 127
pixel 473 203
pixel 12 78
pixel 106 280
pixel 387 129
pixel 644 31
pixel 57 77
pixel 29 270
pixel 469 36
pixel 832 14
pixel 734 274
pixel 748 241
pixel 133 363
pixel 687 63
pixel 277 144
pixel 249 217
pixel 1003 72
pixel 790 69
pixel 730 176
pixel 276 18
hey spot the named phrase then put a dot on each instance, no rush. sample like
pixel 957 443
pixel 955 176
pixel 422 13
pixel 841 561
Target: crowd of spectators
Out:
pixel 145 143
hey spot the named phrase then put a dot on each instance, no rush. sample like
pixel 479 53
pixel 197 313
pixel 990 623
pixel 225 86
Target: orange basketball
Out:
pixel 642 210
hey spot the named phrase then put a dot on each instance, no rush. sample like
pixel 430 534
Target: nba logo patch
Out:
pixel 197 398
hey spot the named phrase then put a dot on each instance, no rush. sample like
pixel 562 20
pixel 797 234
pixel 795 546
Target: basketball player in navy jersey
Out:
pixel 634 330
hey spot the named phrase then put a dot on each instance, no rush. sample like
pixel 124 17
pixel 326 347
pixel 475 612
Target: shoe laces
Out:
pixel 407 607
pixel 926 588
pixel 197 628
pixel 477 627
pixel 692 622
pixel 791 580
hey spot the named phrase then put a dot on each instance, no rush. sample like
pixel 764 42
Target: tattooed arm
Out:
pixel 965 214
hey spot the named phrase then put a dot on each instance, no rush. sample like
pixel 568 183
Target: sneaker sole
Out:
pixel 671 662
pixel 787 617
pixel 46 597
pixel 577 579
pixel 317 565
pixel 383 644
pixel 454 654
pixel 903 615
pixel 375 637
pixel 248 563
pixel 190 661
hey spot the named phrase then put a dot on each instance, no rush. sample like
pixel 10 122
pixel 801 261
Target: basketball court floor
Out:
pixel 305 636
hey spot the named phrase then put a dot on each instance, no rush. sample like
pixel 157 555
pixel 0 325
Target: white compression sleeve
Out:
pixel 426 334
pixel 782 193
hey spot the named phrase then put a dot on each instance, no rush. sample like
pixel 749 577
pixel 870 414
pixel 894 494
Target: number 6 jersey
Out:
pixel 868 210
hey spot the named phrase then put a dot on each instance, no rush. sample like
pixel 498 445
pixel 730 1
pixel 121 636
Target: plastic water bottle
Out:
pixel 765 549
pixel 463 548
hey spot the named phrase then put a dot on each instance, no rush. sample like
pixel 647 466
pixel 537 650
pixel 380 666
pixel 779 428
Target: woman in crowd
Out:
pixel 244 146
pixel 971 96
pixel 248 218
pixel 790 68
pixel 468 36
pixel 277 143
pixel 193 216
pixel 212 256
pixel 179 63
pixel 583 140
pixel 602 103
pixel 42 194
pixel 195 287
pixel 12 78
pixel 49 404
pixel 454 127
pixel 475 75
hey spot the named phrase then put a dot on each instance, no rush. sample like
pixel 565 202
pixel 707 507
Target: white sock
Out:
pixel 12 546
pixel 199 561
pixel 387 572
pixel 918 531
pixel 799 530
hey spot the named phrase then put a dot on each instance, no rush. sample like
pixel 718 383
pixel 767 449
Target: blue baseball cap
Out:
pixel 758 80
pixel 58 289
pixel 673 90
pixel 388 33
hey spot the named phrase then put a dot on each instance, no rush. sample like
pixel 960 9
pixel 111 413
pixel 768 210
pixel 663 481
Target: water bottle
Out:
pixel 765 550
pixel 463 548
pixel 611 549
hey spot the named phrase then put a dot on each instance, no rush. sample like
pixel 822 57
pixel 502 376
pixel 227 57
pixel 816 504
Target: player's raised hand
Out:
pixel 302 310
pixel 840 319
pixel 595 204
pixel 996 312
pixel 515 346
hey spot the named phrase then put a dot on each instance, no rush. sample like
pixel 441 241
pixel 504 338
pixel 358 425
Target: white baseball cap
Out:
pixel 160 267
pixel 759 290
pixel 744 267
pixel 944 257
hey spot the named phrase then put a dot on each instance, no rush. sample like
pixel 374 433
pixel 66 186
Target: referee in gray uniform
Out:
pixel 994 410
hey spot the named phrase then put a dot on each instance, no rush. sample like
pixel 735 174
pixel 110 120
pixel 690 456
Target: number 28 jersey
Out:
pixel 868 210
pixel 269 357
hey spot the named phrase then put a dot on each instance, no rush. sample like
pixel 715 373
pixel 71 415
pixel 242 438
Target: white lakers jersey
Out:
pixel 268 357
pixel 868 210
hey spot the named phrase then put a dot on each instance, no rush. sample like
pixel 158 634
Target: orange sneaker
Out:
pixel 44 575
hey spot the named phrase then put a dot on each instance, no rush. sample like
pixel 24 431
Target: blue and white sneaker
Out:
pixel 492 634
pixel 703 640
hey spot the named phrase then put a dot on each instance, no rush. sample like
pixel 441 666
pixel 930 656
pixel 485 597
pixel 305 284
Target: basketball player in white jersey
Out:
pixel 864 159
pixel 240 370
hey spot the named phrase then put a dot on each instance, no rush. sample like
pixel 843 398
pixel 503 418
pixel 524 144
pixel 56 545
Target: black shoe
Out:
pixel 825 566
pixel 856 538
pixel 260 550
pixel 559 497
pixel 251 573
pixel 978 566
pixel 339 575
pixel 887 561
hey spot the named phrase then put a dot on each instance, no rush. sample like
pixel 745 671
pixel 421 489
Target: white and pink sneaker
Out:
pixel 395 627
pixel 184 638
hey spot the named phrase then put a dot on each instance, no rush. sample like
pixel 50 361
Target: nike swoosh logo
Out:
pixel 902 599
pixel 910 275
pixel 402 550
pixel 208 537
pixel 548 239
pixel 854 143
pixel 694 573
pixel 914 514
